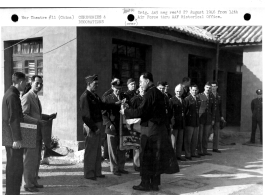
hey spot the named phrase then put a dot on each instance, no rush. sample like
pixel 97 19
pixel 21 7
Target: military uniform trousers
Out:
pixel 203 138
pixel 256 123
pixel 191 140
pixel 14 170
pixel 92 155
pixel 31 164
pixel 216 128
pixel 177 141
pixel 116 156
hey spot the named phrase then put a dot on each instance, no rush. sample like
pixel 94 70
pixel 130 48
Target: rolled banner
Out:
pixel 46 132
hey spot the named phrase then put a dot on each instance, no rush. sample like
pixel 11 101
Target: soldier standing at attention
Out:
pixel 256 108
pixel 192 123
pixel 218 116
pixel 206 119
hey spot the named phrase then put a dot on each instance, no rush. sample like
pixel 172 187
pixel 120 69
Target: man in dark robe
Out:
pixel 155 143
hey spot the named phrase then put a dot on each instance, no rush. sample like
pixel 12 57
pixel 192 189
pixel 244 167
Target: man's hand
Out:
pixel 17 144
pixel 112 127
pixel 52 116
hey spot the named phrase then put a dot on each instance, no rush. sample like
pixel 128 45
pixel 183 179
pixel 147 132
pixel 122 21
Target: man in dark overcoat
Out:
pixel 206 112
pixel 192 123
pixel 177 106
pixel 11 118
pixel 91 107
pixel 155 143
pixel 256 108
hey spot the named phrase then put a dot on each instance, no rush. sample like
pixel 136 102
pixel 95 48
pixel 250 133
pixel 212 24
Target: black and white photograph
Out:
pixel 166 107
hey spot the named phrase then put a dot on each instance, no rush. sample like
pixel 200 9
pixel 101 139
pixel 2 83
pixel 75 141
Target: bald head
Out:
pixel 179 90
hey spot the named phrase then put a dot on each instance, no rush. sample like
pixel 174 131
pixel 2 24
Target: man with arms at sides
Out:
pixel 131 89
pixel 154 136
pixel 186 84
pixel 135 103
pixel 206 112
pixel 192 123
pixel 218 116
pixel 177 106
pixel 256 108
pixel 32 110
pixel 91 107
pixel 11 118
pixel 111 117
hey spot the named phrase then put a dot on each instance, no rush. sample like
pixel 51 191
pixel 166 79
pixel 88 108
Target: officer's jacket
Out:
pixel 217 102
pixel 206 110
pixel 177 115
pixel 192 111
pixel 111 116
pixel 256 108
pixel 91 106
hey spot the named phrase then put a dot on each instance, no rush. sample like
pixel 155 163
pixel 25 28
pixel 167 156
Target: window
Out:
pixel 128 60
pixel 28 58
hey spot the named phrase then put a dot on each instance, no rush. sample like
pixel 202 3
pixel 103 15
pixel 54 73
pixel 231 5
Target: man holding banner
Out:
pixel 157 155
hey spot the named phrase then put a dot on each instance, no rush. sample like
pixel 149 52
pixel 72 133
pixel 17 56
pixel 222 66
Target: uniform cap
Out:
pixel 130 80
pixel 259 92
pixel 116 83
pixel 91 78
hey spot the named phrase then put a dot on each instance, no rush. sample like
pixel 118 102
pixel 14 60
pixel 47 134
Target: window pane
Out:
pixel 131 51
pixel 122 50
pixel 39 63
pixel 40 71
pixel 17 49
pixel 17 64
pixel 25 48
pixel 31 67
pixel 41 45
pixel 36 47
pixel 114 48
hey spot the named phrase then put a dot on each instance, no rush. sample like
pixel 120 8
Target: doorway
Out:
pixel 233 99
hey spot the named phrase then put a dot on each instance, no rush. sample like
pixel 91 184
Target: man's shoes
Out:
pixel 101 176
pixel 201 154
pixel 91 178
pixel 141 188
pixel 45 161
pixel 196 156
pixel 154 188
pixel 216 150
pixel 123 172
pixel 38 186
pixel 207 153
pixel 189 158
pixel 117 173
pixel 31 189
pixel 181 158
pixel 137 169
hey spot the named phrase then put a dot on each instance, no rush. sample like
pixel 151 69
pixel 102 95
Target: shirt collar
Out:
pixel 35 95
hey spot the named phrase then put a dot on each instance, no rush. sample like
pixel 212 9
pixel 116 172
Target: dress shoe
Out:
pixel 141 188
pixel 196 156
pixel 216 150
pixel 31 189
pixel 201 154
pixel 123 172
pixel 189 158
pixel 38 186
pixel 207 153
pixel 181 158
pixel 154 188
pixel 91 178
pixel 101 176
pixel 117 173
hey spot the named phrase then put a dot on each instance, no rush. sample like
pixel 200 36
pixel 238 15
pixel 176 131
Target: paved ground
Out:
pixel 237 171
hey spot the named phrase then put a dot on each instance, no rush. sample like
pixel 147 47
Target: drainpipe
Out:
pixel 217 57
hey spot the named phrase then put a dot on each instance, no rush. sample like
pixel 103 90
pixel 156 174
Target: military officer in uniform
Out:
pixel 192 123
pixel 256 108
pixel 166 90
pixel 91 107
pixel 206 119
pixel 218 116
pixel 177 106
pixel 111 117
pixel 186 84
